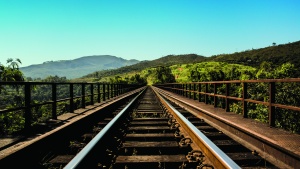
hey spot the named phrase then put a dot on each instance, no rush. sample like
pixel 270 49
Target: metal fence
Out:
pixel 30 95
pixel 272 93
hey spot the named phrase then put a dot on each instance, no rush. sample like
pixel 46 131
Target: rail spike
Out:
pixel 195 156
pixel 171 121
pixel 185 142
pixel 174 125
pixel 178 134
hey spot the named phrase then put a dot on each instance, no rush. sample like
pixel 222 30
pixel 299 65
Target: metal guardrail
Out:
pixel 100 91
pixel 196 89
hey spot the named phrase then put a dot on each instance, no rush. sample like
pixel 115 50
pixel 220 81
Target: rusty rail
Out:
pixel 215 154
pixel 80 160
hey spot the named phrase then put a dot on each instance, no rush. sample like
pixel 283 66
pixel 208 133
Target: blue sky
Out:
pixel 36 31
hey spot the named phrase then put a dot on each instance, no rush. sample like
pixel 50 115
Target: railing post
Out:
pixel 194 93
pixel 115 90
pixel 98 91
pixel 108 91
pixel 118 89
pixel 28 116
pixel 186 90
pixel 180 87
pixel 199 90
pixel 103 92
pixel 54 98
pixel 121 89
pixel 245 109
pixel 111 92
pixel 190 91
pixel 92 94
pixel 272 91
pixel 206 96
pixel 215 97
pixel 173 88
pixel 227 108
pixel 71 98
pixel 82 95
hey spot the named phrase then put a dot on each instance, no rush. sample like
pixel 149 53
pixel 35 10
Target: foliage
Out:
pixel 11 72
pixel 55 79
pixel 217 71
pixel 163 75
pixel 286 93
pixel 135 79
pixel 164 61
pixel 275 54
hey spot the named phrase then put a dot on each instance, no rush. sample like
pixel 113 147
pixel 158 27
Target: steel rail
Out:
pixel 75 162
pixel 214 153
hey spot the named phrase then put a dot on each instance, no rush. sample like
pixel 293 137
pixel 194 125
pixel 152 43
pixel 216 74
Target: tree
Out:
pixel 11 72
pixel 163 75
pixel 137 79
pixel 55 79
pixel 265 70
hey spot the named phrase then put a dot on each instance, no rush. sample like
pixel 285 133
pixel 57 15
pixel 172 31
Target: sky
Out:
pixel 36 31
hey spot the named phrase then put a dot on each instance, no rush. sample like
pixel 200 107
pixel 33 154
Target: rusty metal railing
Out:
pixel 89 91
pixel 203 90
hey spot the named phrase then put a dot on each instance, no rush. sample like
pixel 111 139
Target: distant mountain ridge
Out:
pixel 90 66
pixel 276 54
pixel 77 67
pixel 163 61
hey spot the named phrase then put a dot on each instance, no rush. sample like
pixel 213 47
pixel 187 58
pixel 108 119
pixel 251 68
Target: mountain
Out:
pixel 77 67
pixel 276 54
pixel 163 61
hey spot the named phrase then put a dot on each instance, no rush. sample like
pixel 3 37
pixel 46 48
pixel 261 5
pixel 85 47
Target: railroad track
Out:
pixel 148 131
pixel 157 134
pixel 242 156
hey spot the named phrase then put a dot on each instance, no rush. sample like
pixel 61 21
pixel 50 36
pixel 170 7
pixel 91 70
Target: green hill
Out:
pixel 163 61
pixel 276 54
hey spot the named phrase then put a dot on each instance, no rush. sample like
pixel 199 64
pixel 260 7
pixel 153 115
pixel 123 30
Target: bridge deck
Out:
pixel 281 138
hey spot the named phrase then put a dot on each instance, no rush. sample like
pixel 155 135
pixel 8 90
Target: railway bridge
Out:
pixel 219 124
